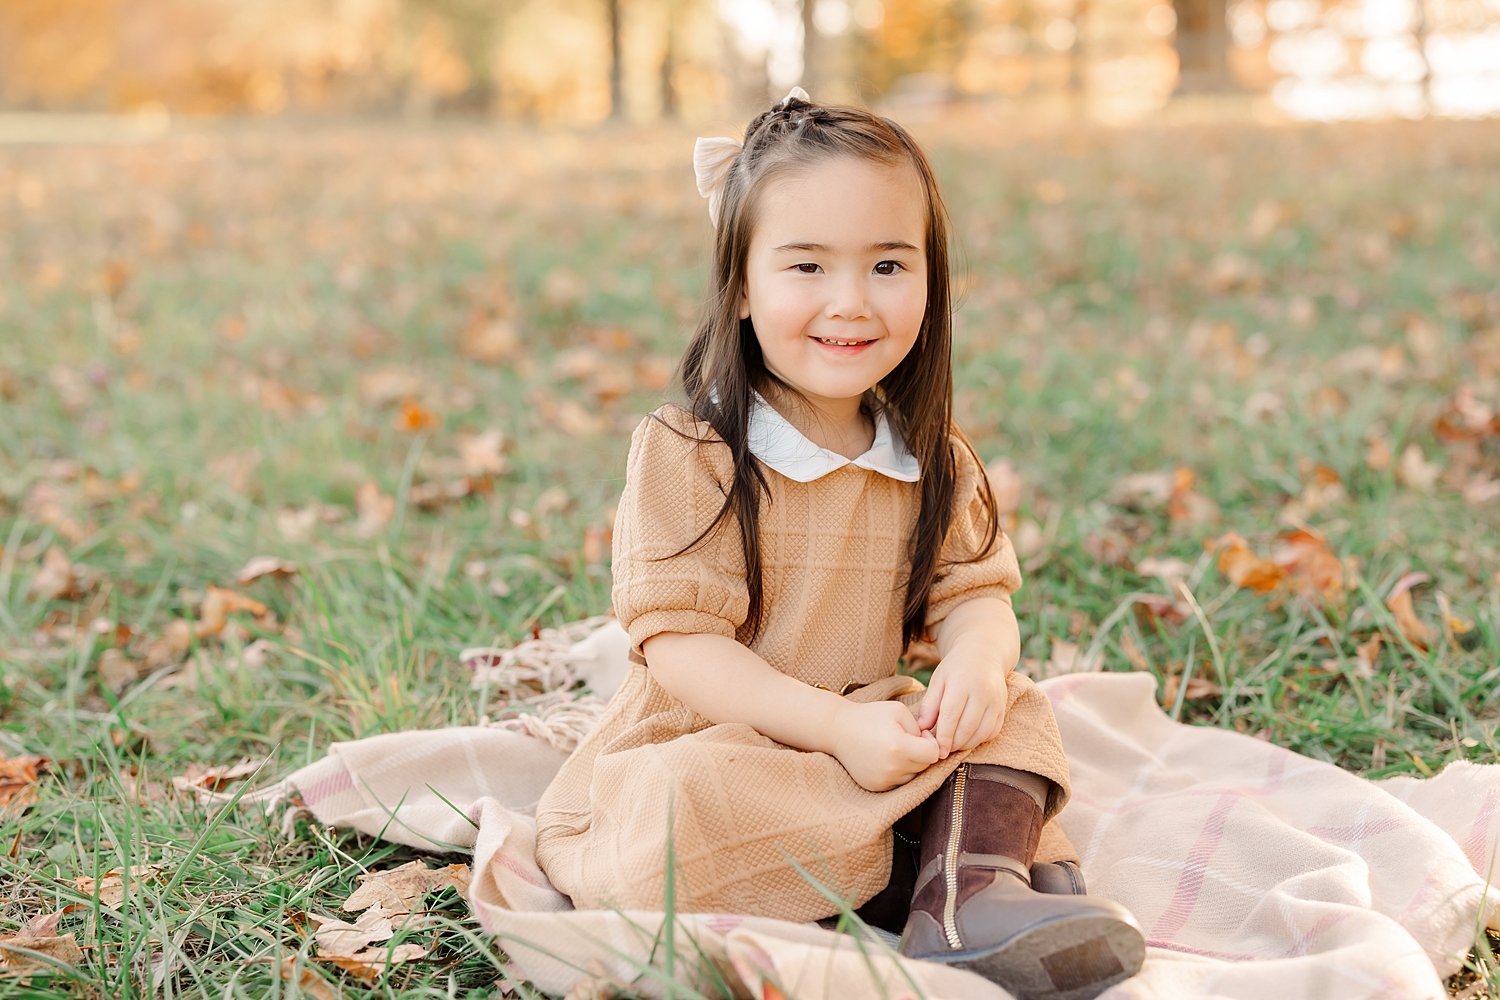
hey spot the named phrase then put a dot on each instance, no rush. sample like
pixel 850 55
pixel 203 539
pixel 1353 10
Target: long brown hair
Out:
pixel 723 362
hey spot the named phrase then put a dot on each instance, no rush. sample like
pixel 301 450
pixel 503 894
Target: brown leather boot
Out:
pixel 974 905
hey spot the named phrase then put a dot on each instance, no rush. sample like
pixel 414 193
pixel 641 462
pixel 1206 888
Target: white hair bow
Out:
pixel 714 158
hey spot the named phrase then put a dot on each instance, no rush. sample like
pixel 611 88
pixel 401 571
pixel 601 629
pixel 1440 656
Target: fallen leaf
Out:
pixel 1066 658
pixel 372 962
pixel 1417 632
pixel 1244 568
pixel 489 340
pixel 110 887
pixel 375 510
pixel 382 387
pixel 1415 471
pixel 1311 567
pixel 415 418
pixel 483 454
pixel 339 937
pixel 1159 607
pixel 1184 504
pixel 218 604
pixel 435 496
pixel 116 670
pixel 263 566
pixel 214 779
pixel 18 781
pixel 45 924
pixel 57 580
pixel 1171 572
pixel 60 949
pixel 307 981
pixel 1198 689
pixel 1365 656
pixel 398 889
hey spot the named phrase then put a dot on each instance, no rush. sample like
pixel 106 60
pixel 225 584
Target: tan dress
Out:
pixel 741 808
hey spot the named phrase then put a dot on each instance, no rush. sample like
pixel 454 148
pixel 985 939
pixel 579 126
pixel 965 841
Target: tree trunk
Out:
pixel 1421 28
pixel 616 64
pixel 1202 46
pixel 811 55
pixel 669 105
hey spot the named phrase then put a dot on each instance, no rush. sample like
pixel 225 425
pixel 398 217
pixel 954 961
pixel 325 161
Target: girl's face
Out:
pixel 836 277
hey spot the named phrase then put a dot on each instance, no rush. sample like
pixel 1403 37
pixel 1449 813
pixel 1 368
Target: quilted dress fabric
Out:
pixel 738 812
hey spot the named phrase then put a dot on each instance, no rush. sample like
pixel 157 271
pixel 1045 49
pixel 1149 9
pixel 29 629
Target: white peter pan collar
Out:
pixel 784 448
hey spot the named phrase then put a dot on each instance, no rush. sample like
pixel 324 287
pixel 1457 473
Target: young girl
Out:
pixel 781 540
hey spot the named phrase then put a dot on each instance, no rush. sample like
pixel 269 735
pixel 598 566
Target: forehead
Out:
pixel 842 202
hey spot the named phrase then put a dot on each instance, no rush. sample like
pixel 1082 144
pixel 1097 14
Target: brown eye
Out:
pixel 808 268
pixel 888 267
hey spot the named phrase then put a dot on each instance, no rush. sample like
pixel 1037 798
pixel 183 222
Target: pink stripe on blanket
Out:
pixel 520 871
pixel 1190 883
pixel 320 791
pixel 1309 937
pixel 1187 949
pixel 1354 832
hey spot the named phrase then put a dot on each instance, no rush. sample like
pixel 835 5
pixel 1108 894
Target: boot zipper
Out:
pixel 950 859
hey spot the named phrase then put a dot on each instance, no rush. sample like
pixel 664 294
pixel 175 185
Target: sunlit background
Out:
pixel 587 61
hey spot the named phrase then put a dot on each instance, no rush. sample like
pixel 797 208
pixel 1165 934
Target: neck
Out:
pixel 842 426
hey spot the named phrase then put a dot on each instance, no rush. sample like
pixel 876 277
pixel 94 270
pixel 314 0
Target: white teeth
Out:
pixel 841 343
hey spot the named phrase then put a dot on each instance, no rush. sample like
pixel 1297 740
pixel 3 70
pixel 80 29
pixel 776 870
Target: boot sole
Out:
pixel 1070 958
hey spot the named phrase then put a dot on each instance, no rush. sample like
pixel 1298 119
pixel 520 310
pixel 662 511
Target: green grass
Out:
pixel 206 342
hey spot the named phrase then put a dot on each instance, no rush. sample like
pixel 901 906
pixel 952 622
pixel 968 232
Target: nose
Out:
pixel 848 298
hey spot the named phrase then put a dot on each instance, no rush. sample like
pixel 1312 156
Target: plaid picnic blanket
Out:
pixel 1255 872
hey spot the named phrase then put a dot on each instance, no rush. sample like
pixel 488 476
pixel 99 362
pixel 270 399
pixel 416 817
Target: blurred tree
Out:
pixel 616 62
pixel 1202 46
pixel 812 65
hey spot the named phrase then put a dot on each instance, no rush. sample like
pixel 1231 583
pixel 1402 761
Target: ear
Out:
pixel 744 303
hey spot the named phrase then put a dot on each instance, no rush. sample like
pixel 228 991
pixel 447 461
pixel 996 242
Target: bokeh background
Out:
pixel 583 61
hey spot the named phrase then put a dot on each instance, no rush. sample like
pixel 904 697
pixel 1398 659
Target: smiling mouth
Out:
pixel 842 343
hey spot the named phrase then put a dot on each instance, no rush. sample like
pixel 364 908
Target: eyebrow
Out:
pixel 820 248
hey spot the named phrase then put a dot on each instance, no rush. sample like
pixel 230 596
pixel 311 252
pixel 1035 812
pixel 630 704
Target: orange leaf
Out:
pixel 18 778
pixel 1312 568
pixel 414 418
pixel 1244 568
pixel 1399 603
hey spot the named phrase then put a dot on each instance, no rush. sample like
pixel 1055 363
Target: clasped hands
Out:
pixel 883 745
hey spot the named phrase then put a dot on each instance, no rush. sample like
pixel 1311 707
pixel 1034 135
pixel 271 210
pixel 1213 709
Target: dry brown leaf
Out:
pixel 1132 651
pixel 308 982
pixel 214 779
pixel 490 340
pixel 339 937
pixel 1417 632
pixel 45 924
pixel 1171 572
pixel 1159 607
pixel 57 580
pixel 1184 504
pixel 1198 689
pixel 398 889
pixel 1243 567
pixel 1312 569
pixel 1415 471
pixel 171 646
pixel 1365 656
pixel 1066 658
pixel 435 496
pixel 218 604
pixel 372 962
pixel 18 781
pixel 375 510
pixel 382 387
pixel 483 454
pixel 110 886
pixel 263 566
pixel 59 948
pixel 116 670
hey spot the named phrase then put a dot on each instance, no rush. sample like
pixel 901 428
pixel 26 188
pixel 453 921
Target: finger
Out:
pixel 948 719
pixel 928 714
pixel 968 726
pixel 906 720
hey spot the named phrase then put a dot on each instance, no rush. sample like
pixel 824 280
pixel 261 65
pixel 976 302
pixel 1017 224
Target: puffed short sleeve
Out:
pixel 674 487
pixel 997 574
